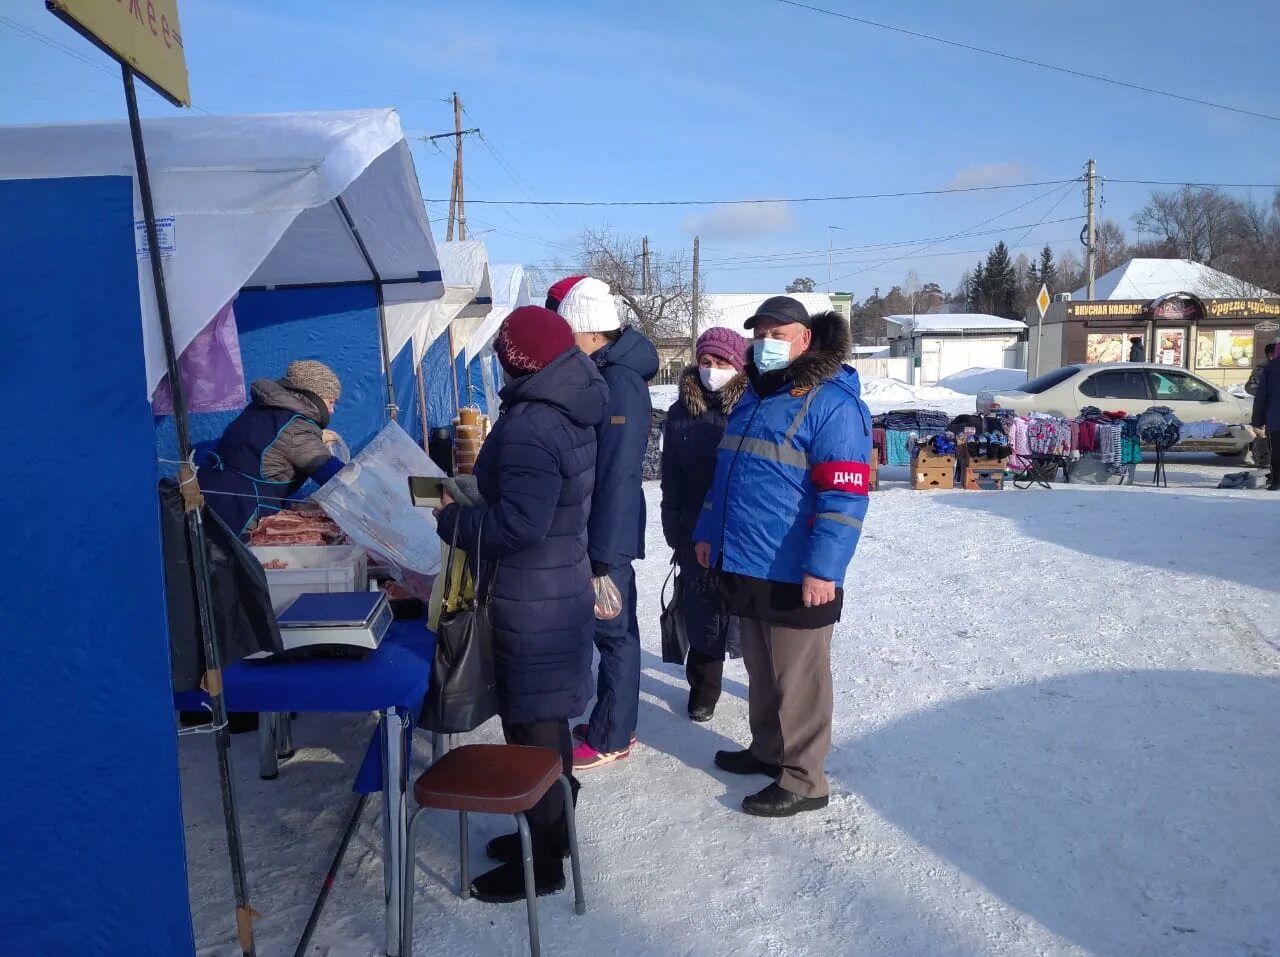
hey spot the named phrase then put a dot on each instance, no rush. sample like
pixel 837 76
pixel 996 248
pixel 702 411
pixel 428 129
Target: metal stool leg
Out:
pixel 579 899
pixel 268 766
pixel 530 889
pixel 410 883
pixel 284 736
pixel 464 855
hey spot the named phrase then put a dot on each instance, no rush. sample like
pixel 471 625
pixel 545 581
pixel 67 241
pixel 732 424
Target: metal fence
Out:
pixel 897 367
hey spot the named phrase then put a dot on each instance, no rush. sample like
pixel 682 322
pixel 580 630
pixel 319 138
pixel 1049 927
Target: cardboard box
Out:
pixel 981 479
pixel 931 471
pixel 874 485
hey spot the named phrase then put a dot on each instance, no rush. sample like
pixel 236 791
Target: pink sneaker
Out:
pixel 585 757
pixel 580 734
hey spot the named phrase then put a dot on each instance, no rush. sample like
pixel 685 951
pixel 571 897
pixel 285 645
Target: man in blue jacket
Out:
pixel 615 530
pixel 778 529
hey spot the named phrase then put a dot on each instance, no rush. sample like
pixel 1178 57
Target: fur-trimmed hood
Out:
pixel 832 345
pixel 696 399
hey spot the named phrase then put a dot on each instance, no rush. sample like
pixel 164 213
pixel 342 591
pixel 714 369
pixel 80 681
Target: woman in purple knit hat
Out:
pixel 695 423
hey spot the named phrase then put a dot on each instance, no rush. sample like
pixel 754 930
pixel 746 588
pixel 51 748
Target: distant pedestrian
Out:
pixel 779 529
pixel 691 437
pixel 535 477
pixel 1137 350
pixel 1266 415
pixel 615 533
pixel 1261 446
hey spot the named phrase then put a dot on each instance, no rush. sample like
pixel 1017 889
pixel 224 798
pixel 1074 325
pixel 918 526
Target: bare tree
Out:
pixel 1113 249
pixel 1201 223
pixel 662 308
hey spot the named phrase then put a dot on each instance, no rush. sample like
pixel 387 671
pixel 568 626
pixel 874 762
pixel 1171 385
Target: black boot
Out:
pixel 744 762
pixel 700 711
pixel 506 849
pixel 505 883
pixel 705 675
pixel 777 801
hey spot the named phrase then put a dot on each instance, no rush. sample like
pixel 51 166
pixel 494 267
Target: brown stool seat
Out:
pixel 489 779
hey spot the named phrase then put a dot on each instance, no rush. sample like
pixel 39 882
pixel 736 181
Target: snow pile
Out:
pixel 885 395
pixel 975 380
pixel 1055 733
pixel 663 396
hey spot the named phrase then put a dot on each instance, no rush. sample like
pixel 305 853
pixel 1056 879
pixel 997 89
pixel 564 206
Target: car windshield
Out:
pixel 1049 380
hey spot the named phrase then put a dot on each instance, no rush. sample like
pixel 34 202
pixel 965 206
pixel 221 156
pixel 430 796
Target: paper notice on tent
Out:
pixel 142 33
pixel 164 236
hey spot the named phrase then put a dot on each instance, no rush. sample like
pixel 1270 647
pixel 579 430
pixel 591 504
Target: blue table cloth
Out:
pixel 393 676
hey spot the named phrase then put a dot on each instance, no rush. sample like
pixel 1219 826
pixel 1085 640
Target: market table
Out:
pixel 391 681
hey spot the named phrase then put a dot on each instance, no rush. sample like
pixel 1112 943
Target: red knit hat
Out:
pixel 531 338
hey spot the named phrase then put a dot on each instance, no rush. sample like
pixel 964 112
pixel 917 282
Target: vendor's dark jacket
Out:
pixel 616 532
pixel 268 453
pixel 1266 401
pixel 536 472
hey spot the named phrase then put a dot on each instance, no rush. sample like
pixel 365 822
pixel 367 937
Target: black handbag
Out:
pixel 463 691
pixel 675 638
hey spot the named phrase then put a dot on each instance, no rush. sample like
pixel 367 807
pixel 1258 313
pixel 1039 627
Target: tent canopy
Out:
pixel 254 201
pixel 1152 278
pixel 510 291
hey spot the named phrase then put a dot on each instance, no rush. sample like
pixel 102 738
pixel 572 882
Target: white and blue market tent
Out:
pixel 510 286
pixel 319 218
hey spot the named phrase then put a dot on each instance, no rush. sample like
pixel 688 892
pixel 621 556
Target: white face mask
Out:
pixel 713 380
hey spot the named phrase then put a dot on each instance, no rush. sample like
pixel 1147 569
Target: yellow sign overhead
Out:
pixel 142 33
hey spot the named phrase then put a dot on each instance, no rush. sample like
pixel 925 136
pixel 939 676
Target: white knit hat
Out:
pixel 589 307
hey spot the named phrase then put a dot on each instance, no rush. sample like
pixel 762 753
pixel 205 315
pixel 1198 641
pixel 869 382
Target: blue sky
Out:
pixel 738 99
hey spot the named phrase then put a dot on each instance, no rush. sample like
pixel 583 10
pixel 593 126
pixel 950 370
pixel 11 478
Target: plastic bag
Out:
pixel 369 499
pixel 608 598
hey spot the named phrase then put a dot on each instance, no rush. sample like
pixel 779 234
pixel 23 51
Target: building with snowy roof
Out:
pixel 1177 313
pixel 942 344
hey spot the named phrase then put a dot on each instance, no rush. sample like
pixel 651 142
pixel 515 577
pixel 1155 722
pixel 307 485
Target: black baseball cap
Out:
pixel 781 309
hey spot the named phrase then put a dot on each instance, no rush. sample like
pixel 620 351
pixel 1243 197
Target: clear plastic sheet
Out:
pixel 369 499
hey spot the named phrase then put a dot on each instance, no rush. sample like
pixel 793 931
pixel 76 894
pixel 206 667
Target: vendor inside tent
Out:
pixel 274 446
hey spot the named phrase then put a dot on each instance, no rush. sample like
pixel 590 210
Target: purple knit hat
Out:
pixel 723 344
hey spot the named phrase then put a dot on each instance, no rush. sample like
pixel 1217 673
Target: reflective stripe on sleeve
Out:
pixel 764 449
pixel 842 519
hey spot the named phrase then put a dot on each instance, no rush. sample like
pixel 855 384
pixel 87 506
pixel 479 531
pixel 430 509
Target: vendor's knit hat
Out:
pixel 314 376
pixel 530 339
pixel 723 344
pixel 585 303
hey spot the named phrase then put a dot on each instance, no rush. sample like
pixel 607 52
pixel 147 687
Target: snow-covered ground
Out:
pixel 975 380
pixel 881 395
pixel 1057 731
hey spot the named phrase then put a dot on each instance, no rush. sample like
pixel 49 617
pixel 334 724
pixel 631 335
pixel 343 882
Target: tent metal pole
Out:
pixel 193 503
pixel 392 408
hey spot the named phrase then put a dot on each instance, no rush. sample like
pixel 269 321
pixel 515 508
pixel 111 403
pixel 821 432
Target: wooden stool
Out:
pixel 492 779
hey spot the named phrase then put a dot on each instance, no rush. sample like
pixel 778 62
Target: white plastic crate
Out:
pixel 312 568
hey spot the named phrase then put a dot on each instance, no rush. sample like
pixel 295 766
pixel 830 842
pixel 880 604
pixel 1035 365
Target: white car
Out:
pixel 1132 387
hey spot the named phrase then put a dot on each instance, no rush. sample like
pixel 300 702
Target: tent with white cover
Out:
pixel 484 376
pixel 320 218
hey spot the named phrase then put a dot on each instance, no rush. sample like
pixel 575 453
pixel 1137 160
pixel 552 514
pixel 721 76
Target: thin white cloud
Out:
pixel 988 174
pixel 741 221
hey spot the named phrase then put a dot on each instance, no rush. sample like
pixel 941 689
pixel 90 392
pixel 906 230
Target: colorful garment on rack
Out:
pixel 1200 431
pixel 1159 427
pixel 897 447
pixel 1019 460
pixel 1048 435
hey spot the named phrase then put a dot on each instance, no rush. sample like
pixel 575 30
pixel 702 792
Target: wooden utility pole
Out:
pixel 457 192
pixel 644 266
pixel 1091 232
pixel 693 311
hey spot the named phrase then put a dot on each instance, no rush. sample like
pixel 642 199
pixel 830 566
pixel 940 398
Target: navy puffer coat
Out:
pixel 536 471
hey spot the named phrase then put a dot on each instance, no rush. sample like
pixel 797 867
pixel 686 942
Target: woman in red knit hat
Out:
pixel 535 473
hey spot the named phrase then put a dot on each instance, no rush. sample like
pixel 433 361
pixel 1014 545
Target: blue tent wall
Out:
pixel 406 383
pixel 337 325
pixel 92 837
pixel 439 383
pixel 472 379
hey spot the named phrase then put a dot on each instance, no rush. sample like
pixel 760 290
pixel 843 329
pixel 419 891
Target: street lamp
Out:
pixel 830 243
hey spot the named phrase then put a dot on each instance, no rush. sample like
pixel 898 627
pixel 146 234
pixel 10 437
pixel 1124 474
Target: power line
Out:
pixel 1192 184
pixel 784 257
pixel 751 202
pixel 1026 61
pixel 910 257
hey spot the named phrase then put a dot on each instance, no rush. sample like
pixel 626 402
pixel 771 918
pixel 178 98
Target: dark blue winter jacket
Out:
pixel 536 472
pixel 616 532
pixel 1266 401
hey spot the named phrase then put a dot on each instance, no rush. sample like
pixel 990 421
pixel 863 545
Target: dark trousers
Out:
pixel 1273 441
pixel 706 675
pixel 613 719
pixel 546 820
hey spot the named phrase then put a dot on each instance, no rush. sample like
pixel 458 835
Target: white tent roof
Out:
pixel 1152 278
pixel 254 201
pixel 956 322
pixel 510 291
pixel 467 300
pixel 732 310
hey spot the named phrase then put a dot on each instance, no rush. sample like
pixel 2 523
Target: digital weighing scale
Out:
pixel 338 623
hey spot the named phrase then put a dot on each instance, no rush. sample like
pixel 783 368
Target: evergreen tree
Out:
pixel 1047 270
pixel 1000 282
pixel 975 289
